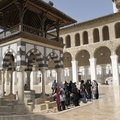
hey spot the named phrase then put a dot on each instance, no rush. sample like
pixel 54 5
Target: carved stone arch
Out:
pixel 34 56
pixel 9 60
pixel 85 37
pixel 12 52
pixel 105 33
pixel 102 54
pixel 117 30
pixel 82 57
pixel 53 60
pixel 77 39
pixel 96 36
pixel 68 41
pixel 61 40
pixel 118 53
pixel 67 58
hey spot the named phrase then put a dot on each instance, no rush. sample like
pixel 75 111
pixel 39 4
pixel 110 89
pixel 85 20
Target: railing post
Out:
pixel 20 27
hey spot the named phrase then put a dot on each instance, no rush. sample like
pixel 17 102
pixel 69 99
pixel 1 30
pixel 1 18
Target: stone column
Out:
pixel 33 77
pixel 114 60
pixel 6 81
pixel 93 68
pixel 43 70
pixel 3 83
pixel 75 71
pixel 14 82
pixel 20 76
pixel 28 80
pixel 59 75
pixel 11 82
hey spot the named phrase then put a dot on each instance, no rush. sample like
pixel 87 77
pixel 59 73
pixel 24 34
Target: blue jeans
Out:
pixel 84 98
pixel 93 96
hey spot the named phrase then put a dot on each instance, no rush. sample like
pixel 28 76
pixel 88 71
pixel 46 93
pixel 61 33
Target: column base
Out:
pixel 21 109
pixel 43 95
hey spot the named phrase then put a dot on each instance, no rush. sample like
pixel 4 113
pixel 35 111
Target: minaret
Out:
pixel 116 6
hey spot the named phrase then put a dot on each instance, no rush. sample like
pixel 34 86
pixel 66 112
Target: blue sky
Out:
pixel 83 10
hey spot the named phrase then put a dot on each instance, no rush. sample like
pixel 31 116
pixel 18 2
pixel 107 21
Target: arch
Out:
pixel 9 61
pixel 77 39
pixel 102 55
pixel 67 58
pixel 85 37
pixel 68 41
pixel 9 50
pixel 53 60
pixel 118 53
pixel 96 37
pixel 105 33
pixel 34 57
pixel 117 30
pixel 83 57
pixel 61 40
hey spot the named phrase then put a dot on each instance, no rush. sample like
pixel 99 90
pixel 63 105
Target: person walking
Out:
pixel 54 86
pixel 88 87
pixel 62 99
pixel 58 98
pixel 83 92
pixel 75 95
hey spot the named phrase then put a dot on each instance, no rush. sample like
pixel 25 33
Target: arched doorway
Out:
pixel 67 58
pixel 83 57
pixel 102 56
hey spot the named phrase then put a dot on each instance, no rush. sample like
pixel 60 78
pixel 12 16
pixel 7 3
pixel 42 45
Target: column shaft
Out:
pixel 59 75
pixel 3 82
pixel 93 68
pixel 20 76
pixel 43 70
pixel 75 71
pixel 114 60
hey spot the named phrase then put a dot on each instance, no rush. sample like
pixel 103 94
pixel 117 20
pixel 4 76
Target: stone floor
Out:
pixel 107 107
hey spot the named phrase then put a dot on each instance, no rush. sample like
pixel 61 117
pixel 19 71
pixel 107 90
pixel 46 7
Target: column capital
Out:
pixel 43 69
pixel 92 59
pixel 74 61
pixel 114 56
pixel 20 68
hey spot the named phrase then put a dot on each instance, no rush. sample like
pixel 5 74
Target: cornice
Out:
pixel 107 18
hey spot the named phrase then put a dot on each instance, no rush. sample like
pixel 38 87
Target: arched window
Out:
pixel 105 32
pixel 68 42
pixel 96 37
pixel 117 30
pixel 77 39
pixel 61 40
pixel 85 37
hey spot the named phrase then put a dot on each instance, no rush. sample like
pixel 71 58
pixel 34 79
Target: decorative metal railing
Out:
pixel 28 29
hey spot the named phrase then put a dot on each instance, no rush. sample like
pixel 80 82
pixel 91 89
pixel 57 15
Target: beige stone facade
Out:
pixel 98 38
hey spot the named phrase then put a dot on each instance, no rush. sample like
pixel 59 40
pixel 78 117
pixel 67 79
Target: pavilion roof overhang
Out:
pixel 37 6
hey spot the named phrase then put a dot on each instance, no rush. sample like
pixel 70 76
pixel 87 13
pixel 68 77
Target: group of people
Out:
pixel 68 93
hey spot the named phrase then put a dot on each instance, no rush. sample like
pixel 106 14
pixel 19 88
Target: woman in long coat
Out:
pixel 58 98
pixel 88 87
